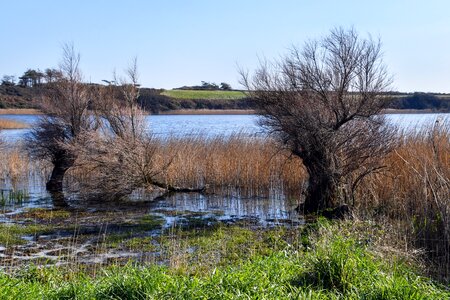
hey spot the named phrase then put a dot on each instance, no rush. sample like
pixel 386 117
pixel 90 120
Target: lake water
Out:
pixel 210 125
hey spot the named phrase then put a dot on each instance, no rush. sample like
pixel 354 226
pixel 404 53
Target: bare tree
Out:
pixel 66 118
pixel 323 102
pixel 122 156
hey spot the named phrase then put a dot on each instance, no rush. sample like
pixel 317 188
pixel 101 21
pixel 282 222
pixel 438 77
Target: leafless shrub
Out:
pixel 67 116
pixel 322 103
pixel 115 166
pixel 121 156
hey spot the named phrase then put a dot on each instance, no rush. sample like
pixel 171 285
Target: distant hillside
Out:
pixel 159 100
pixel 421 101
pixel 19 97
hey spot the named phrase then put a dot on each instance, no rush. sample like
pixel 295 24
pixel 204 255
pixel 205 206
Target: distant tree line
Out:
pixel 420 101
pixel 33 78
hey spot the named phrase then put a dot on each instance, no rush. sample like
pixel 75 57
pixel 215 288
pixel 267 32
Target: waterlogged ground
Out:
pixel 34 231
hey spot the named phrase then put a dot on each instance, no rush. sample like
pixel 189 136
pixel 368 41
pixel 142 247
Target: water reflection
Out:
pixel 262 210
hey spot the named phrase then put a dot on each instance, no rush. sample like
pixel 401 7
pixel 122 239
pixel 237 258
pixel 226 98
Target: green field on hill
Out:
pixel 204 94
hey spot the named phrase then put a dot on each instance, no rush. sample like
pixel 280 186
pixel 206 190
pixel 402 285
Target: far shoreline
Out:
pixel 33 111
pixel 20 111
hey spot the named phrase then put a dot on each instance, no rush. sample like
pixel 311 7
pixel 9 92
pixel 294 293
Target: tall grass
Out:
pixel 224 165
pixel 16 171
pixel 20 111
pixel 413 194
pixel 14 163
pixel 249 165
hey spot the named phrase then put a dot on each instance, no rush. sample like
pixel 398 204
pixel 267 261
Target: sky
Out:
pixel 181 43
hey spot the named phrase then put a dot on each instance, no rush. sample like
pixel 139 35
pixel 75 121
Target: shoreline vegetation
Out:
pixel 20 111
pixel 192 101
pixel 323 261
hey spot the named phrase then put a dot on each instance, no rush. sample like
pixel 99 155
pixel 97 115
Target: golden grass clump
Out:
pixel 14 163
pixel 11 124
pixel 250 165
pixel 20 111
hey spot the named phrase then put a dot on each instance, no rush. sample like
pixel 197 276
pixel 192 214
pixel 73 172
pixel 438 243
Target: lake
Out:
pixel 211 125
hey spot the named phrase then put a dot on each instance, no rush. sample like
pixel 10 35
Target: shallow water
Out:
pixel 80 238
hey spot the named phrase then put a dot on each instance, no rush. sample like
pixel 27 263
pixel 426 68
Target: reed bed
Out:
pixel 11 124
pixel 18 170
pixel 412 195
pixel 250 165
pixel 20 111
pixel 14 163
pixel 236 164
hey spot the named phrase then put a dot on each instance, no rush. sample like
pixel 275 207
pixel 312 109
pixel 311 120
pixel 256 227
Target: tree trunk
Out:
pixel 55 184
pixel 321 192
pixel 323 183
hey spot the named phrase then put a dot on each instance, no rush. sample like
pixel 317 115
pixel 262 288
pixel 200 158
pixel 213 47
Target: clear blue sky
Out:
pixel 183 42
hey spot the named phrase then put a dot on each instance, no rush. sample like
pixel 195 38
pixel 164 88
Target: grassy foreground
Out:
pixel 197 94
pixel 346 260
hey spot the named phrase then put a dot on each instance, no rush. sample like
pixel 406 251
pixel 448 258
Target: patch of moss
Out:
pixel 141 243
pixel 45 214
pixel 11 234
pixel 150 222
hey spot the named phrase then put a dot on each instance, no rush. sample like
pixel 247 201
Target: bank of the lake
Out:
pixel 343 260
pixel 32 111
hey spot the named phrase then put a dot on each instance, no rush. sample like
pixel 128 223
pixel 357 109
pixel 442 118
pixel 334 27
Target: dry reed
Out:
pixel 253 166
pixel 413 194
pixel 13 163
pixel 11 124
pixel 20 111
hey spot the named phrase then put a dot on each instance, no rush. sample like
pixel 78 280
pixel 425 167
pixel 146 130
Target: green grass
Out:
pixel 11 234
pixel 196 94
pixel 333 261
pixel 45 214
